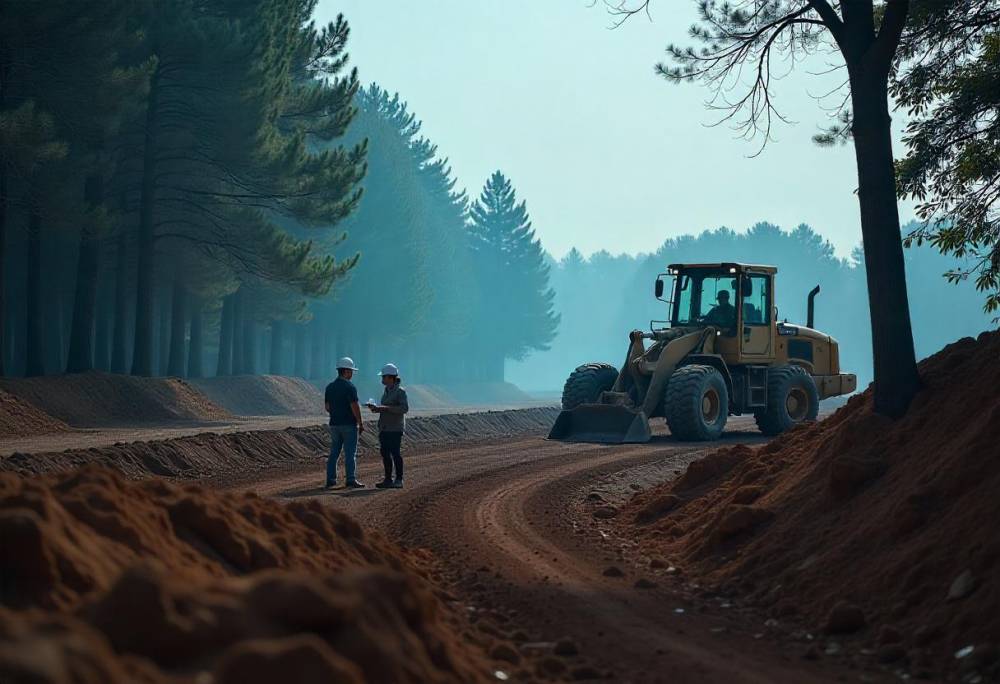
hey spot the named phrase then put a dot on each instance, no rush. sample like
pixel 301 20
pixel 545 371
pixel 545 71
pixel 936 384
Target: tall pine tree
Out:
pixel 515 297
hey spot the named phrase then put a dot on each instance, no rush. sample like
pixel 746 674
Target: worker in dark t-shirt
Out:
pixel 341 400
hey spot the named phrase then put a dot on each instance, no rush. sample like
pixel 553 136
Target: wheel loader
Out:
pixel 722 353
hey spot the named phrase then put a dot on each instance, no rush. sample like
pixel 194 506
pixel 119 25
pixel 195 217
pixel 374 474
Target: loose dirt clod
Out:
pixel 107 580
pixel 886 515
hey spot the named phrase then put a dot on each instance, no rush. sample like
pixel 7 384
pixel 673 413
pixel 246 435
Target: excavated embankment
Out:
pixel 884 531
pixel 210 454
pixel 106 580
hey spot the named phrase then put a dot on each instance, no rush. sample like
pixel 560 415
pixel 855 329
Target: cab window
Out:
pixel 756 304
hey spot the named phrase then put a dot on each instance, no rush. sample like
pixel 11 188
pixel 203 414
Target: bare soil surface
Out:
pixel 97 438
pixel 111 581
pixel 209 454
pixel 105 399
pixel 869 531
pixel 19 418
pixel 520 527
pixel 262 395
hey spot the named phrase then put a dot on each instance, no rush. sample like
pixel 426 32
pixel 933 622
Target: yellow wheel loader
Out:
pixel 722 353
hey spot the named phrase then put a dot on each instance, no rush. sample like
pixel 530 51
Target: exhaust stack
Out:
pixel 811 315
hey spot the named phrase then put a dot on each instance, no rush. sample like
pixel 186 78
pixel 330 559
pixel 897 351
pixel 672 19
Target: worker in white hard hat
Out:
pixel 392 410
pixel 341 399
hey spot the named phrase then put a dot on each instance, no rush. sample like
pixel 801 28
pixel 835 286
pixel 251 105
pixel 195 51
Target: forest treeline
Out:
pixel 202 187
pixel 602 297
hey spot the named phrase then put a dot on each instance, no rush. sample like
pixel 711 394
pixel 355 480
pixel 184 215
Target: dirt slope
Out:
pixel 106 580
pixel 262 395
pixel 859 524
pixel 103 399
pixel 210 454
pixel 18 418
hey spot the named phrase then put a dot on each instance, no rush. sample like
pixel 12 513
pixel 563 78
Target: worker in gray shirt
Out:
pixel 392 410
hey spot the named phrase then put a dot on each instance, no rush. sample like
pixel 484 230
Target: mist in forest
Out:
pixel 602 297
pixel 193 194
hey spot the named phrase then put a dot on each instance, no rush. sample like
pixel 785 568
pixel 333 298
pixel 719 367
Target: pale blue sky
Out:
pixel 607 154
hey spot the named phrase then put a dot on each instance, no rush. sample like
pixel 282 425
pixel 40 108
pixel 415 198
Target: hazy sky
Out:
pixel 607 154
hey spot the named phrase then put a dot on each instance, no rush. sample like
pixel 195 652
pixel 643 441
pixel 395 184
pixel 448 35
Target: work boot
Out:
pixel 355 485
pixel 384 484
pixel 397 483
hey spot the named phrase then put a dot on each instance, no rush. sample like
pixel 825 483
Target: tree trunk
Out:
pixel 3 249
pixel 277 346
pixel 238 338
pixel 301 367
pixel 325 362
pixel 162 355
pixel 316 338
pixel 196 349
pixel 35 337
pixel 895 365
pixel 178 327
pixel 249 345
pixel 142 355
pixel 81 341
pixel 5 69
pixel 119 344
pixel 102 334
pixel 225 363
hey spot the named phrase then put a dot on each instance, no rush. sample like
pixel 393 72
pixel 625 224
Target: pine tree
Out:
pixel 514 279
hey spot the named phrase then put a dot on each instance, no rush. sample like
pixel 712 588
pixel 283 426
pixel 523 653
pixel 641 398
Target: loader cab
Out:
pixel 737 299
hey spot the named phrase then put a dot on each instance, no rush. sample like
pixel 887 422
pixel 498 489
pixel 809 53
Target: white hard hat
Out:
pixel 389 369
pixel 346 363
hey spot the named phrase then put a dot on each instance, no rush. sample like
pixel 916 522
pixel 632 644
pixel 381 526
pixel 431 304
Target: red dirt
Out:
pixel 895 517
pixel 107 580
pixel 103 399
pixel 262 395
pixel 18 418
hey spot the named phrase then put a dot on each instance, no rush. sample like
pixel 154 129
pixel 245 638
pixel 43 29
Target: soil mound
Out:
pixel 210 454
pixel 18 418
pixel 262 395
pixel 107 580
pixel 104 399
pixel 895 518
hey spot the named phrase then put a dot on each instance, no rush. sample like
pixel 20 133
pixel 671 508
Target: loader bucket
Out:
pixel 601 423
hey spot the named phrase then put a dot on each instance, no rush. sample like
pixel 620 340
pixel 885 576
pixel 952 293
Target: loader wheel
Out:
pixel 696 403
pixel 791 399
pixel 585 384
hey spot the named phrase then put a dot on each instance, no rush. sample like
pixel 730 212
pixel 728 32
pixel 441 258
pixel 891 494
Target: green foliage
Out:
pixel 950 85
pixel 514 278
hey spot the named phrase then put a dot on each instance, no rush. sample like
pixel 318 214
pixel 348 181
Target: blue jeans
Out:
pixel 346 437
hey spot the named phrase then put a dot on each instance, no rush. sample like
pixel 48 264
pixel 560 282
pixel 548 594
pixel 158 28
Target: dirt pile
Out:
pixel 18 418
pixel 892 523
pixel 262 395
pixel 105 399
pixel 210 454
pixel 107 580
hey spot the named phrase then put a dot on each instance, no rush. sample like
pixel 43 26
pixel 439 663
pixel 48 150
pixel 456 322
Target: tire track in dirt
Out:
pixel 505 520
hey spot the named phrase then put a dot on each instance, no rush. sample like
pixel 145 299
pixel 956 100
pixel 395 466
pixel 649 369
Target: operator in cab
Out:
pixel 723 314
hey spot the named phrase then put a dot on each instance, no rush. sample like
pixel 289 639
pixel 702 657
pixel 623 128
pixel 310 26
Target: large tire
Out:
pixel 791 399
pixel 696 403
pixel 585 384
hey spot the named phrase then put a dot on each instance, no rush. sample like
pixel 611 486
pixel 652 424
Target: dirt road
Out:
pixel 514 526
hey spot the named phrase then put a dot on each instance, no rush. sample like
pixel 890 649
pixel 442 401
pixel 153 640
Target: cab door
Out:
pixel 756 312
